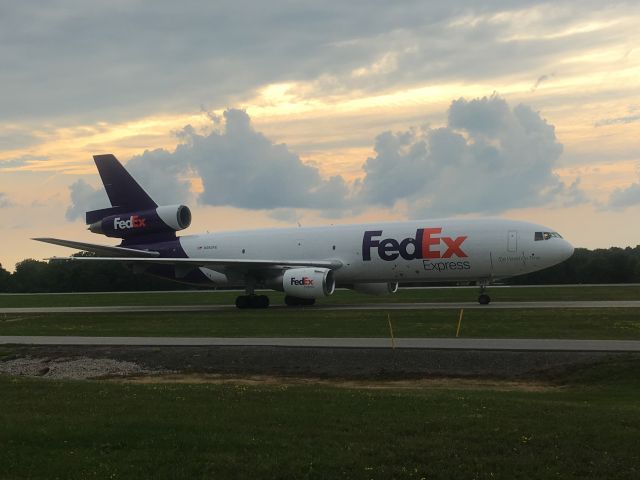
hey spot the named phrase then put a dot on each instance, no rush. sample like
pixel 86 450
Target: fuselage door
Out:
pixel 512 241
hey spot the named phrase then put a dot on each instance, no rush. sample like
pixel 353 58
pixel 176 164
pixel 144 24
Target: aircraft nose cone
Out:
pixel 567 250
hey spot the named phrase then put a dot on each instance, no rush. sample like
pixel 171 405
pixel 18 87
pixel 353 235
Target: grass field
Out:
pixel 498 294
pixel 582 425
pixel 613 323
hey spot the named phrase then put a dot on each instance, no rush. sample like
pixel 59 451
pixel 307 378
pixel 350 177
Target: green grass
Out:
pixel 615 323
pixel 453 294
pixel 587 429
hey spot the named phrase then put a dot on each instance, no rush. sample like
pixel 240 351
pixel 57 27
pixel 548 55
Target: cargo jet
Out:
pixel 308 263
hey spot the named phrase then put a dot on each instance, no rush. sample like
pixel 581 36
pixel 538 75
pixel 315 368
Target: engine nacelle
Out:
pixel 308 282
pixel 169 218
pixel 376 288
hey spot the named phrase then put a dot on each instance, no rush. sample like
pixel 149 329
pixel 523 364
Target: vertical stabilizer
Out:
pixel 122 189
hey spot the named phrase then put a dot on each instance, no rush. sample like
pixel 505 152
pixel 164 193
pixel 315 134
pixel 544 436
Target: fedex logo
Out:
pixel 424 245
pixel 134 221
pixel 304 281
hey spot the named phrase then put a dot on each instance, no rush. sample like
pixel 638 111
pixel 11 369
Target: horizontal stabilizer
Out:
pixel 100 249
pixel 96 215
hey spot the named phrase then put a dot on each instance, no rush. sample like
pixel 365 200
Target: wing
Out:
pixel 141 259
pixel 100 249
pixel 214 263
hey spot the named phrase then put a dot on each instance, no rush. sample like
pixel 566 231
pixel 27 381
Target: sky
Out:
pixel 286 113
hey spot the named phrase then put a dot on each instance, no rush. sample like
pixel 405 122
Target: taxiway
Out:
pixel 363 343
pixel 365 306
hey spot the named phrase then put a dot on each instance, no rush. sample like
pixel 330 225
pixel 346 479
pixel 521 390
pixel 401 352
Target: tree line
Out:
pixel 34 276
pixel 612 265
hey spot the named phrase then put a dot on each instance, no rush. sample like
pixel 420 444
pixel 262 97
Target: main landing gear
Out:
pixel 298 302
pixel 252 301
pixel 483 298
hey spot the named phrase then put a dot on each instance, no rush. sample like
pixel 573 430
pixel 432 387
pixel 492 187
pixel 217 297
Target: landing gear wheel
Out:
pixel 242 301
pixel 484 299
pixel 258 301
pixel 298 302
pixel 252 301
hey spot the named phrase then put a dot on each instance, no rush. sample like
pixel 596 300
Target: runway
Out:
pixel 353 343
pixel 365 306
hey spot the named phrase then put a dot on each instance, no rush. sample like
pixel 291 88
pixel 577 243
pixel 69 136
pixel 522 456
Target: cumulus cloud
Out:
pixel 237 166
pixel 488 159
pixel 622 198
pixel 84 198
pixel 241 167
pixel 4 200
pixel 163 175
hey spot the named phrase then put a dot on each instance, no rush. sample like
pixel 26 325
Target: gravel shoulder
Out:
pixel 82 362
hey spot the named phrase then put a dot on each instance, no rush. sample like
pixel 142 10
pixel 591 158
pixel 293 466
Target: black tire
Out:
pixel 259 301
pixel 291 301
pixel 484 299
pixel 298 302
pixel 264 301
pixel 242 301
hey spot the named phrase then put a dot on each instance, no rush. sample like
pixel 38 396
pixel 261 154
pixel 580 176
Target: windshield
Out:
pixel 541 236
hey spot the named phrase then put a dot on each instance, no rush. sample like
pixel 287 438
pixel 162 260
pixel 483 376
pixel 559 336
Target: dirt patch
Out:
pixel 79 368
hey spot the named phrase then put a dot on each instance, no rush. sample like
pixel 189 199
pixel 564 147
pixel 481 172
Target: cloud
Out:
pixel 622 198
pixel 236 165
pixel 4 201
pixel 240 167
pixel 541 78
pixel 142 57
pixel 84 198
pixel 22 160
pixel 488 159
pixel 13 138
pixel 618 120
pixel 163 175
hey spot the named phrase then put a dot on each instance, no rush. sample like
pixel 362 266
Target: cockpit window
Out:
pixel 538 236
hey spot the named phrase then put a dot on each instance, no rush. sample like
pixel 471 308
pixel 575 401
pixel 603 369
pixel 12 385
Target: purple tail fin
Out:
pixel 123 191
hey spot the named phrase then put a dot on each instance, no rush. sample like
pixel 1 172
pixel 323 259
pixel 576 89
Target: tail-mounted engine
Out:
pixel 113 223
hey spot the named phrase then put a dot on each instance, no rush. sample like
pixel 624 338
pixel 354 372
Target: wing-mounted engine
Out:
pixel 115 222
pixel 308 282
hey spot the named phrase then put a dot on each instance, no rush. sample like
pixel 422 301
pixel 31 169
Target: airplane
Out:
pixel 308 263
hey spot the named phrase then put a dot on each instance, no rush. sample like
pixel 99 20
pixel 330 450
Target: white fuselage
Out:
pixel 415 251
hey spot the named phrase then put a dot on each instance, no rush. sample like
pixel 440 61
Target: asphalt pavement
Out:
pixel 364 306
pixel 362 343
